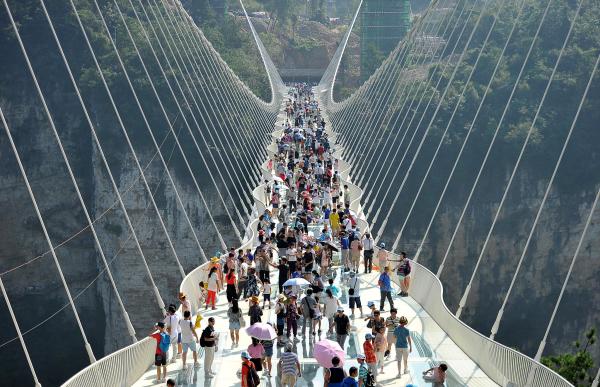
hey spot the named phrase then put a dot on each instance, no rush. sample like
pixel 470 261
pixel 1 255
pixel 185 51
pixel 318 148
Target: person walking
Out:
pixel 234 314
pixel 308 312
pixel 391 323
pixel 363 370
pixel 331 307
pixel 208 341
pixel 171 322
pixel 370 356
pixel 280 312
pixel 160 354
pixel 403 345
pixel 290 367
pixel 257 352
pixel 385 288
pixel 249 377
pixel 380 343
pixel 188 338
pixel 231 286
pixel 355 249
pixel 345 247
pixel 368 249
pixel 382 257
pixel 292 317
pixel 334 376
pixel 254 311
pixel 342 326
pixel 252 284
pixel 353 283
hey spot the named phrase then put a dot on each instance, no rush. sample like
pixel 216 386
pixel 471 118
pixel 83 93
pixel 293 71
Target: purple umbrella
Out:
pixel 325 350
pixel 261 331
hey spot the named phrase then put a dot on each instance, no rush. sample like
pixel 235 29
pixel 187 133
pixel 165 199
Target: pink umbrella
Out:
pixel 325 350
pixel 261 331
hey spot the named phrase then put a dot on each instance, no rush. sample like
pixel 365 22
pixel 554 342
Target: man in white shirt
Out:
pixel 368 250
pixel 353 283
pixel 172 328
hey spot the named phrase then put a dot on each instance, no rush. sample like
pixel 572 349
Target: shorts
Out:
pixel 354 301
pixel 390 336
pixel 160 359
pixel 191 345
pixel 288 379
pixel 402 353
pixel 356 257
pixel 267 297
pixel 275 205
pixel 234 325
pixel 269 351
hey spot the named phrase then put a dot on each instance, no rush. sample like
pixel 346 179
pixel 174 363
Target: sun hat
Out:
pixel 368 336
pixel 281 297
pixel 340 308
pixel 214 259
pixel 245 355
pixel 370 304
pixel 361 356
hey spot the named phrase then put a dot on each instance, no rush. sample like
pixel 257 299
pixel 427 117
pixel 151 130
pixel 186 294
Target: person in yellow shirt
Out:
pixel 334 219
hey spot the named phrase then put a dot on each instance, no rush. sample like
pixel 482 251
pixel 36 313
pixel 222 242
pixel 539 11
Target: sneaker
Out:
pixel 208 376
pixel 406 372
pixel 196 365
pixel 296 339
pixel 399 376
pixel 156 381
pixel 382 310
pixel 401 294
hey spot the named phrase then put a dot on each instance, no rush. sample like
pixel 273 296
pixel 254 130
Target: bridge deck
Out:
pixel 431 345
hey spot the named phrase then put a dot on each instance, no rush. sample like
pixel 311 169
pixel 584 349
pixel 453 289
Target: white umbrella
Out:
pixel 296 282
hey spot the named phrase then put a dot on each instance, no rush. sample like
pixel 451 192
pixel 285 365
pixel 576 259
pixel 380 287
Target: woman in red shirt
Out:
pixel 231 286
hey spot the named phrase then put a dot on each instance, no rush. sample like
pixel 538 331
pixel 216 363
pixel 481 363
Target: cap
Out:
pixel 160 324
pixel 368 336
pixel 361 356
pixel 370 304
pixel 351 274
pixel 281 297
pixel 245 355
pixel 340 308
pixel 382 245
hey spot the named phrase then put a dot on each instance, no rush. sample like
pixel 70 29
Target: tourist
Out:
pixel 160 354
pixel 213 288
pixel 385 288
pixel 248 374
pixel 334 289
pixel 188 338
pixel 252 284
pixel 290 367
pixel 368 248
pixel 382 257
pixel 363 370
pixel 345 246
pixel 342 326
pixel 170 383
pixel 317 318
pixel 292 317
pixel 334 220
pixel 283 273
pixel 370 356
pixel 380 344
pixel 391 323
pixel 231 286
pixel 235 316
pixel 355 249
pixel 350 380
pixel 171 322
pixel 436 375
pixel 403 270
pixel 268 346
pixel 403 345
pixel 243 279
pixel 331 306
pixel 280 313
pixel 254 311
pixel 308 312
pixel 208 340
pixel 353 283
pixel 257 352
pixel 334 376
pixel 185 303
pixel 203 292
pixel 266 291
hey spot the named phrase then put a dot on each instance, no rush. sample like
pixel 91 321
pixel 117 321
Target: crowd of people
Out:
pixel 308 219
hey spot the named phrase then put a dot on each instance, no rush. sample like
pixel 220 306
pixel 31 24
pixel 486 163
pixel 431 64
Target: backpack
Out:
pixel 370 382
pixel 407 268
pixel 165 342
pixel 253 378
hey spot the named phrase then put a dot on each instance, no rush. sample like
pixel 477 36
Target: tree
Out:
pixel 575 367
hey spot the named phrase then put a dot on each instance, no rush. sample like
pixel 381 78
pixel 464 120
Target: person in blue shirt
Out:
pixel 350 380
pixel 345 244
pixel 334 289
pixel 403 345
pixel 385 288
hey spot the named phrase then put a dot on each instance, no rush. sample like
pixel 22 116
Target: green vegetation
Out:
pixel 576 367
